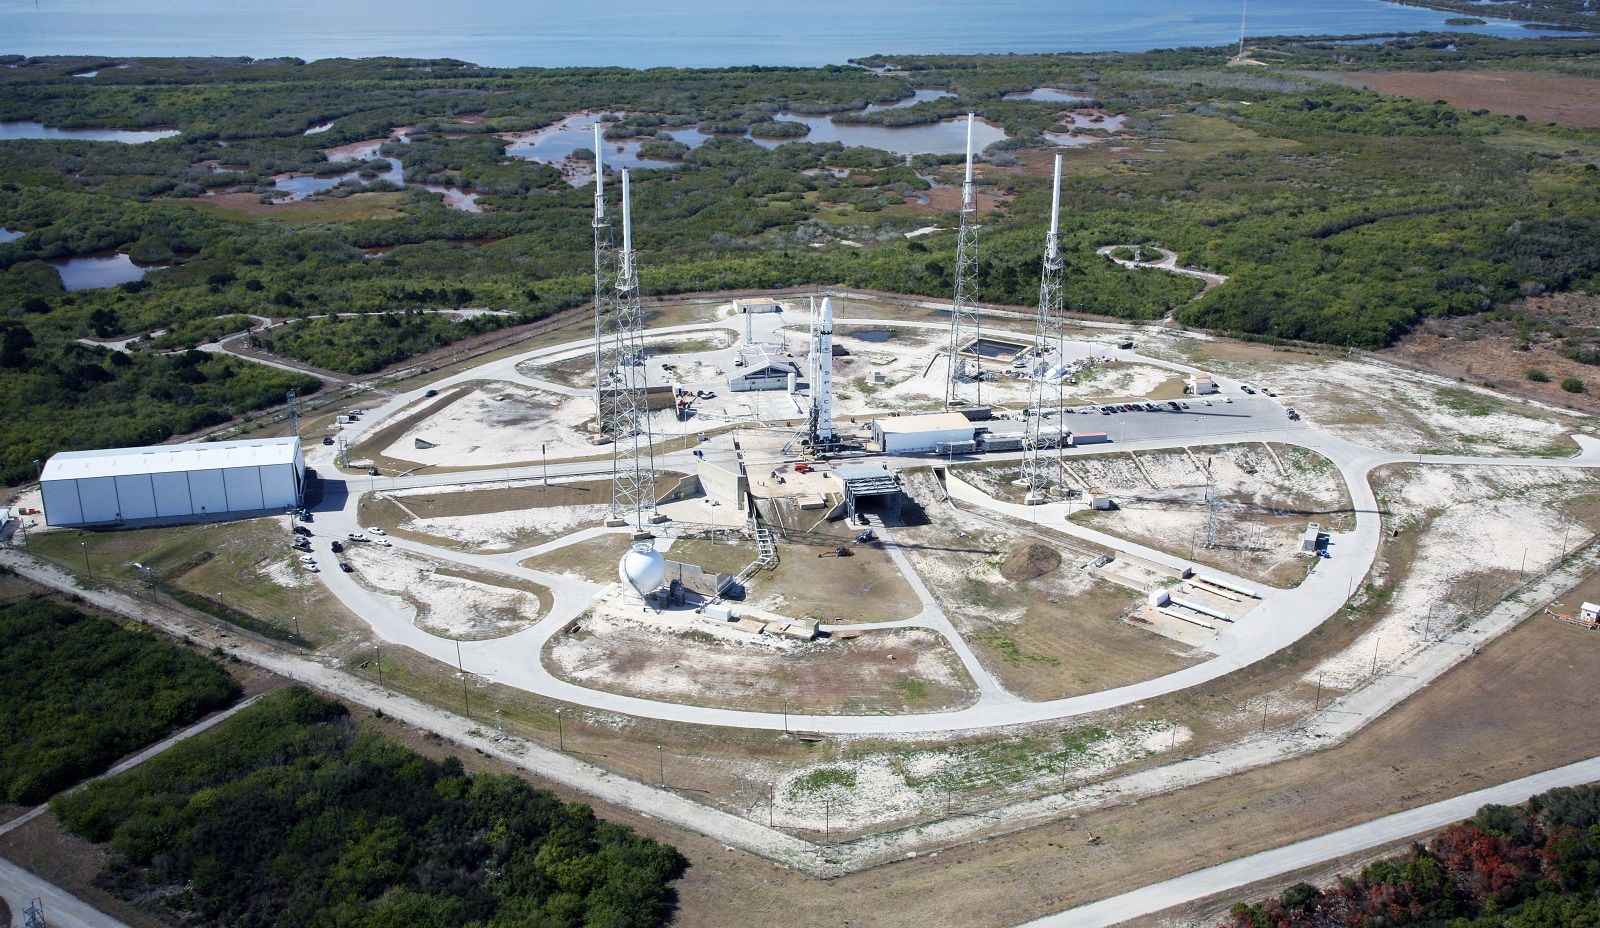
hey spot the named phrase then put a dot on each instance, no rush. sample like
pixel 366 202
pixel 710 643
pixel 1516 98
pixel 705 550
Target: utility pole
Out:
pixel 661 765
pixel 561 732
pixel 466 701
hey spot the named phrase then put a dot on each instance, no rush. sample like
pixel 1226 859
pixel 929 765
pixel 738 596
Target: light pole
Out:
pixel 561 732
pixel 379 661
pixel 827 820
pixel 1318 704
pixel 466 700
pixel 87 567
pixel 661 765
pixel 1375 643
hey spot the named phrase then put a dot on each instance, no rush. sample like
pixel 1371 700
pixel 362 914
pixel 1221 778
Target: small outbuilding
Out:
pixel 763 369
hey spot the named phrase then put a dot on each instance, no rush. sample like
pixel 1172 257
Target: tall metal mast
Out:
pixel 965 327
pixel 605 271
pixel 1244 10
pixel 1049 337
pixel 621 388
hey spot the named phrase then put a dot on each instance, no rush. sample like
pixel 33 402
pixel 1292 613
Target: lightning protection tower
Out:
pixel 965 325
pixel 605 275
pixel 1045 384
pixel 621 388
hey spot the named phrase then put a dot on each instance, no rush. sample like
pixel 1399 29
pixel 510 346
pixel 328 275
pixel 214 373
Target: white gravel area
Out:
pixel 446 605
pixel 885 786
pixel 1473 521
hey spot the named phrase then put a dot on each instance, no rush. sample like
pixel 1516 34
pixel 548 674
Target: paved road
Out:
pixel 1387 830
pixel 1282 617
pixel 62 909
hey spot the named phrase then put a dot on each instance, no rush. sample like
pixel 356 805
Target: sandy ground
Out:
pixel 884 786
pixel 1474 531
pixel 498 423
pixel 1501 352
pixel 451 606
pixel 1384 406
pixel 679 656
pixel 1566 101
pixel 499 531
pixel 1265 501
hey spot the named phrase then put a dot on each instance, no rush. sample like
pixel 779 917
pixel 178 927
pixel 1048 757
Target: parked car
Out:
pixel 706 394
pixel 356 536
pixel 431 392
pixel 302 530
pixel 384 543
pixel 327 439
pixel 375 530
pixel 865 536
pixel 336 547
pixel 345 566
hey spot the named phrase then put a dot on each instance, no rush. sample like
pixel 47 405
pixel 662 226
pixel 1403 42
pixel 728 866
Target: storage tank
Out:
pixel 643 569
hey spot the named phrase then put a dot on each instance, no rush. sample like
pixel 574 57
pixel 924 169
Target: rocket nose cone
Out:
pixel 827 309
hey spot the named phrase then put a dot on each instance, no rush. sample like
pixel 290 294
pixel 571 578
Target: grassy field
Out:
pixel 221 568
pixel 882 672
pixel 594 560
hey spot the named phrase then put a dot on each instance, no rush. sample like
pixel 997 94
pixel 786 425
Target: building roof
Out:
pixel 163 459
pixel 931 422
pixel 867 479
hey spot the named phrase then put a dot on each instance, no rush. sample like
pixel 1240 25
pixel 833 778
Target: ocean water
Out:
pixel 685 33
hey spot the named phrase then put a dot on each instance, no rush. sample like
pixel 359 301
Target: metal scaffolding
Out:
pixel 965 324
pixel 622 400
pixel 1046 382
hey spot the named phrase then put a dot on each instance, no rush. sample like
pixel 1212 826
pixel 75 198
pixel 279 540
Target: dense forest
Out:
pixel 78 692
pixel 289 815
pixel 1341 216
pixel 1536 865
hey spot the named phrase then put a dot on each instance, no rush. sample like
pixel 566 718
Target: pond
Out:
pixel 554 144
pixel 1048 94
pixel 301 186
pixel 940 138
pixel 10 235
pixel 10 131
pixel 86 272
pixel 917 96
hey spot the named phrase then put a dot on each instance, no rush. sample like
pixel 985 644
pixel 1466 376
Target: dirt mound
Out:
pixel 1030 561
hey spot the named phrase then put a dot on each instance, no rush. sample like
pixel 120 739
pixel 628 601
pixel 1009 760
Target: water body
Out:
pixel 1048 94
pixel 86 272
pixel 33 130
pixel 939 138
pixel 556 143
pixel 688 33
pixel 300 186
pixel 10 235
pixel 917 96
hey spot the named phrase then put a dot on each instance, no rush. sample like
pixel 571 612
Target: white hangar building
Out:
pixel 176 483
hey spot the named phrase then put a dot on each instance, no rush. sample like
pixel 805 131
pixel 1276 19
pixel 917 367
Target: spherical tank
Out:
pixel 643 568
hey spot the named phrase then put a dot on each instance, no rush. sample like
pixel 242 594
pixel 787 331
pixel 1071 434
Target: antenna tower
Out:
pixel 1048 340
pixel 622 402
pixel 965 326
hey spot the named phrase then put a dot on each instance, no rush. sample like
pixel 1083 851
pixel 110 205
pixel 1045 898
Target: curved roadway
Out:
pixel 1282 617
